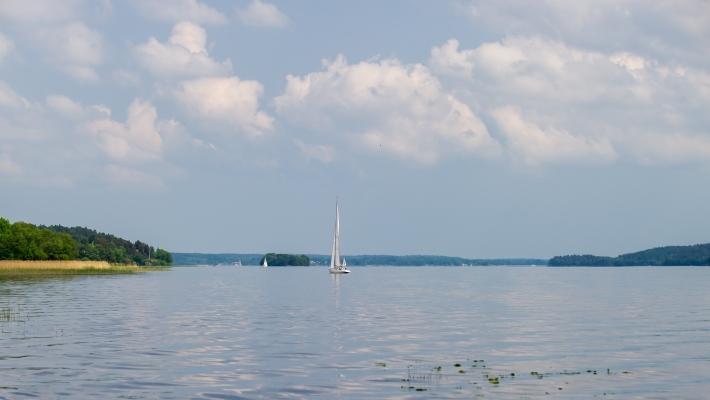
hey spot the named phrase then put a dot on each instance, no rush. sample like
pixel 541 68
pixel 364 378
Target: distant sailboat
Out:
pixel 336 267
pixel 264 264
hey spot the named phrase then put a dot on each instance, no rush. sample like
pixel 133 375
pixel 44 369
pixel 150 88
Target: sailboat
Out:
pixel 336 266
pixel 264 264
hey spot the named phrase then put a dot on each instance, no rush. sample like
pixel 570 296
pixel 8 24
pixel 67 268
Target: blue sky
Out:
pixel 471 128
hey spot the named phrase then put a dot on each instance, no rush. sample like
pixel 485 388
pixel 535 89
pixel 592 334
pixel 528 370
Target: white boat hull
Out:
pixel 341 270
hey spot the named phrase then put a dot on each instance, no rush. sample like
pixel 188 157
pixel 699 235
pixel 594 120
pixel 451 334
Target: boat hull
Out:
pixel 338 270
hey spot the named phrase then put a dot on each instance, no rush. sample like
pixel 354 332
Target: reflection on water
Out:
pixel 246 333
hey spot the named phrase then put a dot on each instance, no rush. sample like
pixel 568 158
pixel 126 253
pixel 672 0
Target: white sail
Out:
pixel 337 234
pixel 264 264
pixel 335 251
pixel 336 266
pixel 333 263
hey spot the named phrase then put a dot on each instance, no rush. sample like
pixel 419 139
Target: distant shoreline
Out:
pixel 353 260
pixel 666 256
pixel 449 266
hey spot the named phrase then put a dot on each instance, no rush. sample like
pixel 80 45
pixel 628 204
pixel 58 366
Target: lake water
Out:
pixel 379 333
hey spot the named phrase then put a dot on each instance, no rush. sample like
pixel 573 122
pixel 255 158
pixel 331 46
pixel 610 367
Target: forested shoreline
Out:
pixel 353 260
pixel 283 260
pixel 25 241
pixel 697 254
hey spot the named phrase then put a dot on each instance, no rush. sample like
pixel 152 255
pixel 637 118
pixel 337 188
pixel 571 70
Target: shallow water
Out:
pixel 379 333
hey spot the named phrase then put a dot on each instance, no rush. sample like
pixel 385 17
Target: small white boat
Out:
pixel 336 266
pixel 264 264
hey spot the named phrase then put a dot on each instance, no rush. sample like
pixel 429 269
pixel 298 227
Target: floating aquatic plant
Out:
pixel 6 314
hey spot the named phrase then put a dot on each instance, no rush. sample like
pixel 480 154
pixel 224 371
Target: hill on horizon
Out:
pixel 357 260
pixel 24 241
pixel 691 255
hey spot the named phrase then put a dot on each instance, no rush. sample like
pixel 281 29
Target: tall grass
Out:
pixel 70 264
pixel 18 268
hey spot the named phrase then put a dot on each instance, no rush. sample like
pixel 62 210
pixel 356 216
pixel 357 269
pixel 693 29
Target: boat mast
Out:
pixel 335 252
pixel 337 234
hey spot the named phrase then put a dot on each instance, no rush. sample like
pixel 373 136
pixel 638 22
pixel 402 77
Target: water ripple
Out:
pixel 380 333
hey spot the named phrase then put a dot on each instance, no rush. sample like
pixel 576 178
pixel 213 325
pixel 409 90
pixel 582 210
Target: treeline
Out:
pixel 426 260
pixel 93 245
pixel 217 258
pixel 358 260
pixel 698 254
pixel 585 260
pixel 282 260
pixel 24 241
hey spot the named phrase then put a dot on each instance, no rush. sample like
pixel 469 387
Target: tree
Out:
pixel 162 257
pixel 279 260
pixel 24 241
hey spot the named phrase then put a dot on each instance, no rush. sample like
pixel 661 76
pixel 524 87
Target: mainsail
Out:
pixel 337 264
pixel 335 253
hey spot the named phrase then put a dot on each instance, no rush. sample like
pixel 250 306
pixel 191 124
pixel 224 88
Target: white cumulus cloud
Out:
pixel 447 59
pixel 184 55
pixel 39 10
pixel 179 10
pixel 385 106
pixel 665 30
pixel 546 69
pixel 61 141
pixel 71 109
pixel 535 145
pixel 262 14
pixel 586 103
pixel 65 106
pixel 74 48
pixel 230 103
pixel 136 140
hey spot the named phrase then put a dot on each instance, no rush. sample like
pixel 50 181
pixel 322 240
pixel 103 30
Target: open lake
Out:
pixel 379 333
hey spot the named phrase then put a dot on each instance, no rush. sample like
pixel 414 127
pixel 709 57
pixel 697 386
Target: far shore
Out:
pixel 10 268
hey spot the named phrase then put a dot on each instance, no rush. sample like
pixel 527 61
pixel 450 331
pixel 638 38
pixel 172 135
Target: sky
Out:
pixel 467 128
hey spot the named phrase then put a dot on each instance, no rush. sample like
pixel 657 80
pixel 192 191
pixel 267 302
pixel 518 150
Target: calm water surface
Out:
pixel 379 333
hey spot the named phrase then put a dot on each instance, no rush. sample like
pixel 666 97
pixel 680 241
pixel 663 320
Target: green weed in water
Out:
pixel 5 314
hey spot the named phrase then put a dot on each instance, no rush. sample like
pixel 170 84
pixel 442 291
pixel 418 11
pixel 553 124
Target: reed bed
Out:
pixel 18 268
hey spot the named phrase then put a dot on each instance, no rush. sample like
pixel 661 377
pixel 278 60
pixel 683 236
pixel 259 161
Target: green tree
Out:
pixel 24 241
pixel 279 260
pixel 163 257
